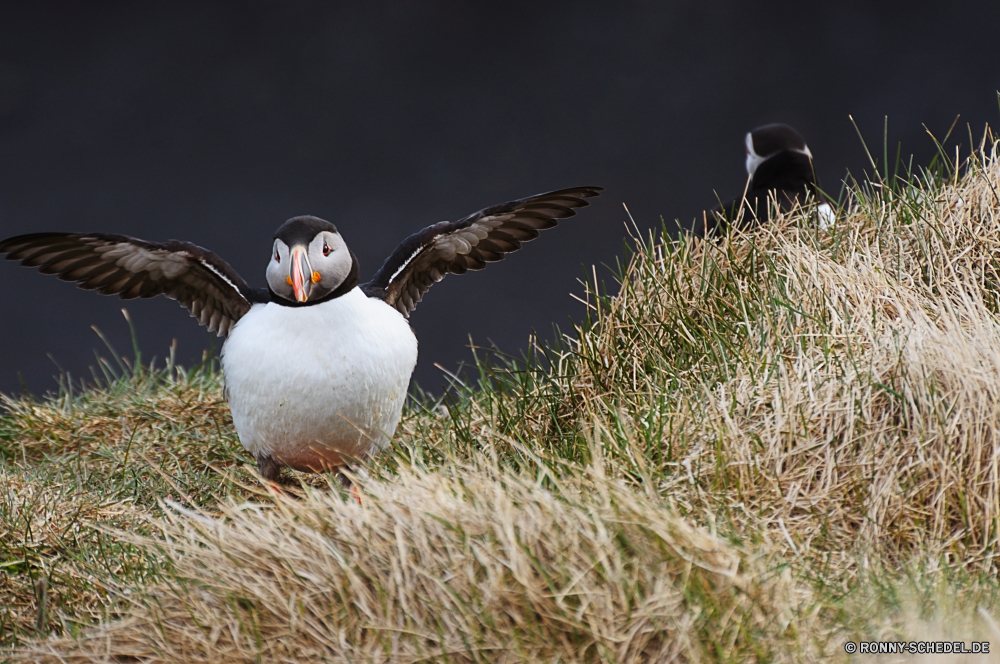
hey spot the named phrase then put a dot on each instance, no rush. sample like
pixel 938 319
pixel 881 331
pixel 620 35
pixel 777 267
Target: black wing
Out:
pixel 455 247
pixel 119 265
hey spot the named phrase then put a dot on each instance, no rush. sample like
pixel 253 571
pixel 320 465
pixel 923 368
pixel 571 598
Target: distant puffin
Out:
pixel 780 165
pixel 316 366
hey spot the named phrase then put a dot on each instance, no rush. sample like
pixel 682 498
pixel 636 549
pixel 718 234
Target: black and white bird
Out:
pixel 780 166
pixel 316 365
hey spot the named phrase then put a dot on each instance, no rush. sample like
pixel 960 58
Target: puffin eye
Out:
pixel 326 249
pixel 277 258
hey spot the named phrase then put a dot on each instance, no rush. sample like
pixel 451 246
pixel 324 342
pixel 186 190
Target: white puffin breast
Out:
pixel 334 374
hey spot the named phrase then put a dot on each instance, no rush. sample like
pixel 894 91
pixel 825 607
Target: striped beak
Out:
pixel 301 273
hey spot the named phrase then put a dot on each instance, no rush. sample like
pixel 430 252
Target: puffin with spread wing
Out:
pixel 316 365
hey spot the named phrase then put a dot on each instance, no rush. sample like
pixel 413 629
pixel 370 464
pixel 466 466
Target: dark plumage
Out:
pixel 302 229
pixel 119 265
pixel 455 247
pixel 781 172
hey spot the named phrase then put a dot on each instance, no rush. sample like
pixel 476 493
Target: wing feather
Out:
pixel 454 247
pixel 120 265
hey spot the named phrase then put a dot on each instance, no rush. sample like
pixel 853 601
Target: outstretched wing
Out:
pixel 455 247
pixel 119 265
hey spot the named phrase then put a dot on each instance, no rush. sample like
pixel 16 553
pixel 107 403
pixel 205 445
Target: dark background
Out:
pixel 214 122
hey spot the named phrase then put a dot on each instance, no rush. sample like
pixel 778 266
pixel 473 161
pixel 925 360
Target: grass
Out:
pixel 756 449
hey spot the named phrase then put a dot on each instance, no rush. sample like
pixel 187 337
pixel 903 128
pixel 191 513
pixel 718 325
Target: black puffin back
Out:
pixel 770 139
pixel 786 171
pixel 785 174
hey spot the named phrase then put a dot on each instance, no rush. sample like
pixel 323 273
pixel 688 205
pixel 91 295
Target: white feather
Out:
pixel 827 217
pixel 406 262
pixel 220 275
pixel 753 159
pixel 332 375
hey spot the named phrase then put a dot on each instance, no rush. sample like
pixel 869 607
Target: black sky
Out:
pixel 215 122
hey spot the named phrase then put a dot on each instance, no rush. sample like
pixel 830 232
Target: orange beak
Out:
pixel 301 284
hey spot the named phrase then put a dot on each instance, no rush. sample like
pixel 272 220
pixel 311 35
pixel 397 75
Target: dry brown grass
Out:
pixel 42 582
pixel 181 421
pixel 466 564
pixel 101 457
pixel 838 391
pixel 861 401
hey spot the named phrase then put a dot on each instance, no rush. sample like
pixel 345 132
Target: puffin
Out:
pixel 316 364
pixel 780 167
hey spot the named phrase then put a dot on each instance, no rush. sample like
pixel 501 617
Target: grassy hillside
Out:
pixel 755 450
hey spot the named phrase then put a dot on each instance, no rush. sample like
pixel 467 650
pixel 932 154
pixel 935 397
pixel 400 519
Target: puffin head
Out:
pixel 768 140
pixel 309 260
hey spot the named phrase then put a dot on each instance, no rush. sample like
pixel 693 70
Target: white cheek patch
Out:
pixel 753 159
pixel 334 267
pixel 275 273
pixel 333 243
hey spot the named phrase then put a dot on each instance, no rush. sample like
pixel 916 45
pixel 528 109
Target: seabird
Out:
pixel 316 365
pixel 780 166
